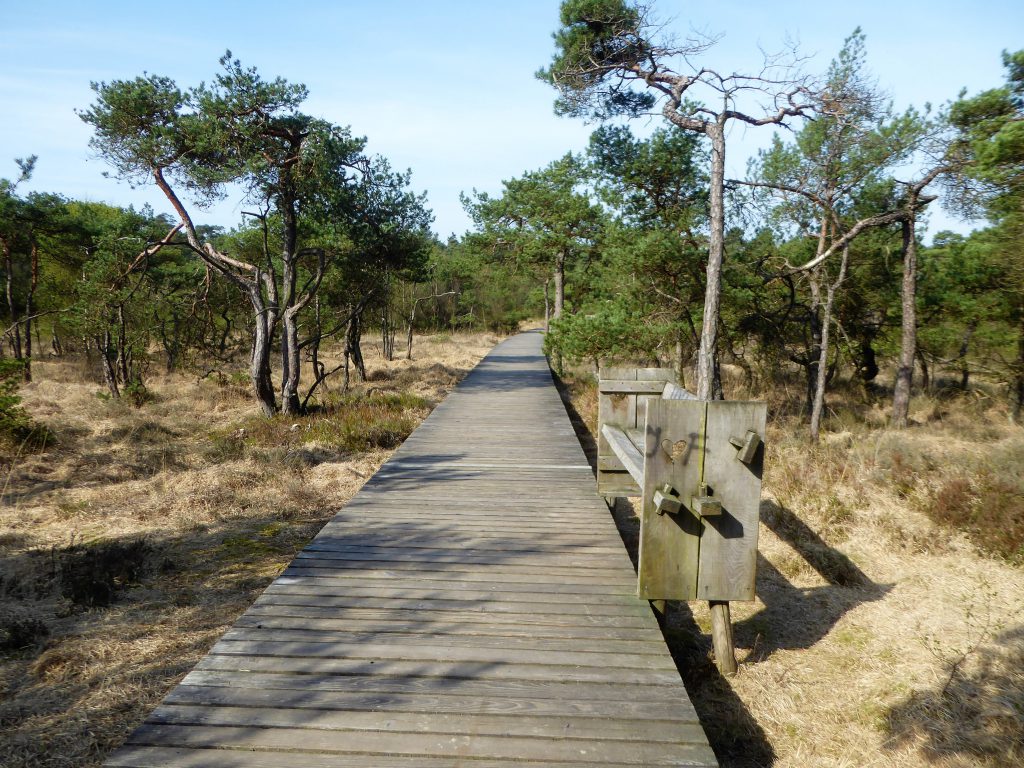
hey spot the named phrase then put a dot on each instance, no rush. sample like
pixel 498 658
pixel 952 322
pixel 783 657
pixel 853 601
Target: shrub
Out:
pixel 17 633
pixel 92 574
pixel 987 508
pixel 16 426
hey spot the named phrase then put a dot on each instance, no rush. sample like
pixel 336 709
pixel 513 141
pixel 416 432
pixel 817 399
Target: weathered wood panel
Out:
pixel 728 548
pixel 670 544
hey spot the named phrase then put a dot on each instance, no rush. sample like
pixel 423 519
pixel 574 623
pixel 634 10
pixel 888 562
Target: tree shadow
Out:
pixel 977 714
pixel 798 617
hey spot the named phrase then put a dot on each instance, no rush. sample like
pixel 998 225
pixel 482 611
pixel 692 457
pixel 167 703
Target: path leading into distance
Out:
pixel 472 606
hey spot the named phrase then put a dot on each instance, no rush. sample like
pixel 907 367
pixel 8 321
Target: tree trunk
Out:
pixel 926 380
pixel 708 351
pixel 908 345
pixel 559 284
pixel 547 307
pixel 290 403
pixel 223 344
pixel 1018 408
pixel 291 366
pixel 408 338
pixel 818 405
pixel 123 367
pixel 29 309
pixel 106 359
pixel 680 362
pixel 353 339
pixel 813 357
pixel 867 367
pixel 259 361
pixel 15 337
pixel 965 343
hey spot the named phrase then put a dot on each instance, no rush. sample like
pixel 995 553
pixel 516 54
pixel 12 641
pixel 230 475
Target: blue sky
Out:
pixel 443 88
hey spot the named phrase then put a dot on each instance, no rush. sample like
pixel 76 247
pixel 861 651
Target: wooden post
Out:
pixel 721 637
pixel 660 608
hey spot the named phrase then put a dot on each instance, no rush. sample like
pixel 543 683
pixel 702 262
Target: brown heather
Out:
pixel 133 542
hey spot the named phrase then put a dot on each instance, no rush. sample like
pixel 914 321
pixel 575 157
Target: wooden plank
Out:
pixel 338 649
pixel 426 638
pixel 481 695
pixel 419 591
pixel 673 391
pixel 431 745
pixel 728 550
pixel 628 374
pixel 655 374
pixel 610 582
pixel 291 607
pixel 670 544
pixel 452 672
pixel 625 450
pixel 285 620
pixel 329 719
pixel 566 608
pixel 144 756
pixel 609 386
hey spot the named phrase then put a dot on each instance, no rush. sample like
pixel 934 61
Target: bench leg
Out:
pixel 721 637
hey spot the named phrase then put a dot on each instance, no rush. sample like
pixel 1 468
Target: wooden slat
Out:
pixel 669 544
pixel 625 450
pixel 471 606
pixel 425 745
pixel 673 391
pixel 634 387
pixel 728 548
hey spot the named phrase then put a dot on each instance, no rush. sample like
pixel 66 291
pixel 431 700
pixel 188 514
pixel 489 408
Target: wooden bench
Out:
pixel 697 467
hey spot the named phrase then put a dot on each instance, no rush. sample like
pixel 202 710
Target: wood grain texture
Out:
pixel 670 544
pixel 728 549
pixel 472 605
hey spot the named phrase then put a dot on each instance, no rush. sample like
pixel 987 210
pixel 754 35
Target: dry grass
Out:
pixel 889 625
pixel 128 547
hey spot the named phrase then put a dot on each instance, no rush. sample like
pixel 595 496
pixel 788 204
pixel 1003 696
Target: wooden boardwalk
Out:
pixel 472 606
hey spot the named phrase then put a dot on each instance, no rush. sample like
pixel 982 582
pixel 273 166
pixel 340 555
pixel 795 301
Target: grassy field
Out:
pixel 888 629
pixel 130 545
pixel 889 624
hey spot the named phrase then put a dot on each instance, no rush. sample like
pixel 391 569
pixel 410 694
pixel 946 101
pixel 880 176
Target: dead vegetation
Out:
pixel 132 542
pixel 889 624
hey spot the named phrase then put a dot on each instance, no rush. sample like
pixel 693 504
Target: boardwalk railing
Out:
pixel 697 467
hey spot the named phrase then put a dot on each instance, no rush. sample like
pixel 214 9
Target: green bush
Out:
pixel 16 426
pixel 609 333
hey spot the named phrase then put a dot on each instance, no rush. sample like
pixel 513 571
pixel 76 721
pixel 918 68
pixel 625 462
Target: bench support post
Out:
pixel 721 637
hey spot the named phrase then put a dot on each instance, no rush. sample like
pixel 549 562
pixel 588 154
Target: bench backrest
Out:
pixel 694 447
pixel 623 394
